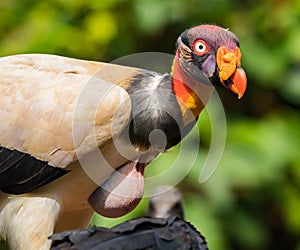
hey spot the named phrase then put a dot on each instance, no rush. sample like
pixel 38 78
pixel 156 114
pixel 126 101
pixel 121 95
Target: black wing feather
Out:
pixel 22 173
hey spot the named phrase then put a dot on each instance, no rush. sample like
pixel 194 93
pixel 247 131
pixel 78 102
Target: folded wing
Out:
pixel 54 110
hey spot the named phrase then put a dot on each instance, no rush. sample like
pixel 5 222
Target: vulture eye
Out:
pixel 200 47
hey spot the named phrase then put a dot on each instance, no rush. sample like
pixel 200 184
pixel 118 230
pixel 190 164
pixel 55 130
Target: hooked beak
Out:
pixel 237 83
pixel 231 75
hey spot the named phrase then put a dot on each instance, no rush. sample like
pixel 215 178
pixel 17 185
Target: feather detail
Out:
pixel 34 217
pixel 45 89
pixel 21 173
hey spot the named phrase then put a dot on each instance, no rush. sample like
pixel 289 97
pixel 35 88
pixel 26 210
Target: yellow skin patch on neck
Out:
pixel 227 61
pixel 190 108
pixel 194 104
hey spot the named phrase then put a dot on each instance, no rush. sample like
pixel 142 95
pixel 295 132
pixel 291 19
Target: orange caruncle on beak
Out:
pixel 231 75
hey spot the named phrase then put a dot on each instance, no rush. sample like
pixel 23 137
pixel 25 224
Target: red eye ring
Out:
pixel 200 47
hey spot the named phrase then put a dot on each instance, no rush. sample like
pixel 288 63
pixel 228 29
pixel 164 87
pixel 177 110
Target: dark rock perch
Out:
pixel 141 233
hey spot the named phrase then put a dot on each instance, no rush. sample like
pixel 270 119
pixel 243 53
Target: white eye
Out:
pixel 200 47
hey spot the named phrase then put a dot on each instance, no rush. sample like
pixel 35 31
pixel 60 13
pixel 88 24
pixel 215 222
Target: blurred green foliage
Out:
pixel 253 199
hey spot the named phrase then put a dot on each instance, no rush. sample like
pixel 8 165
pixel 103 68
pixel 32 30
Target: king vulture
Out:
pixel 67 124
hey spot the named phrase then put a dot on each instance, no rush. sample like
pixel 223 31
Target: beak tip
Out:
pixel 239 81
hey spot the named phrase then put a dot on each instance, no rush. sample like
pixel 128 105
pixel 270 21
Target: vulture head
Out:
pixel 209 52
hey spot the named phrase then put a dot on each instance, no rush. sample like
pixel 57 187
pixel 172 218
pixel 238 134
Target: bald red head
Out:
pixel 208 26
pixel 199 50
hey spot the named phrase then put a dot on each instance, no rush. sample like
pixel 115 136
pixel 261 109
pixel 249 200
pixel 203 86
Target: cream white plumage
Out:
pixel 44 90
pixel 40 116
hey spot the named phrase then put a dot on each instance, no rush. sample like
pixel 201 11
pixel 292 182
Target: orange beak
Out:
pixel 231 75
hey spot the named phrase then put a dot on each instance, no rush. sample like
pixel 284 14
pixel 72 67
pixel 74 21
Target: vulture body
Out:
pixel 67 124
